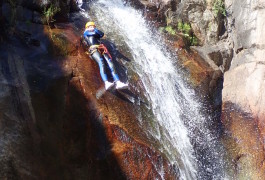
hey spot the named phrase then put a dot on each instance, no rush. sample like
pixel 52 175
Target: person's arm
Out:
pixel 100 33
pixel 85 37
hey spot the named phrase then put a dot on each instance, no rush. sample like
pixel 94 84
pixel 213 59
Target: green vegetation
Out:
pixel 193 40
pixel 185 28
pixel 219 8
pixel 28 22
pixel 13 5
pixel 170 30
pixel 49 13
pixel 59 44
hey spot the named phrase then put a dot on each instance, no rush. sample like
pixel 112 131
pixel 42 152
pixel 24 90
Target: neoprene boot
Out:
pixel 121 85
pixel 108 85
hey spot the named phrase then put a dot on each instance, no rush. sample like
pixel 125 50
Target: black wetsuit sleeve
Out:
pixel 100 33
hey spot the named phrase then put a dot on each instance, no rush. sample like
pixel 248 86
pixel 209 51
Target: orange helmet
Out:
pixel 90 24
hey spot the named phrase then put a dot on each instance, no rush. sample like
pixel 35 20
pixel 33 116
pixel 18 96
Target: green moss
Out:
pixel 13 5
pixel 170 30
pixel 185 28
pixel 161 29
pixel 219 8
pixel 193 40
pixel 49 13
pixel 28 22
pixel 59 44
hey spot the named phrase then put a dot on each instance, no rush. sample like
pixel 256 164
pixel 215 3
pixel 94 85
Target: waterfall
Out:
pixel 177 122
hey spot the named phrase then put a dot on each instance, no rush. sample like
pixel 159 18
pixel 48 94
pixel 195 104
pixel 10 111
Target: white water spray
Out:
pixel 177 113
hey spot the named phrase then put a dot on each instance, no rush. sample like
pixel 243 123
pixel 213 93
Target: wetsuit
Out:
pixel 93 41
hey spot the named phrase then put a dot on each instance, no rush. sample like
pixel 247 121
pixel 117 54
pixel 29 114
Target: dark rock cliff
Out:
pixel 52 125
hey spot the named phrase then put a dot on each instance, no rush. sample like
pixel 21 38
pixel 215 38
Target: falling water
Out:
pixel 178 123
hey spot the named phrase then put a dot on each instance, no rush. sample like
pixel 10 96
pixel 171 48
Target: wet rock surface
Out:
pixel 234 45
pixel 201 73
pixel 243 93
pixel 204 64
pixel 243 141
pixel 52 125
pixel 243 102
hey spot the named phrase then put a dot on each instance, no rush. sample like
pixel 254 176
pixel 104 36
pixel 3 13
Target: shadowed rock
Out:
pixel 52 125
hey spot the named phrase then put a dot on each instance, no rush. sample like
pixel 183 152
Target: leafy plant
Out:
pixel 60 44
pixel 193 40
pixel 13 5
pixel 185 28
pixel 170 30
pixel 28 22
pixel 219 8
pixel 49 13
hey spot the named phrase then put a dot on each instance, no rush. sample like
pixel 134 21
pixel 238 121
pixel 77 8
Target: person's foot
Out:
pixel 121 85
pixel 108 85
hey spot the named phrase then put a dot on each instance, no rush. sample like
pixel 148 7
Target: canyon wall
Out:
pixel 51 124
pixel 48 131
pixel 231 40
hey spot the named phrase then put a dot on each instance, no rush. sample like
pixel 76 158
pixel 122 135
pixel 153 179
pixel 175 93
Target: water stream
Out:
pixel 176 119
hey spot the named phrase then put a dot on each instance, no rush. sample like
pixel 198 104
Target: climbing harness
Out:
pixel 100 48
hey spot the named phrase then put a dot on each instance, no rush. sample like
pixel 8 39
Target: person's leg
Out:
pixel 99 59
pixel 112 68
pixel 119 84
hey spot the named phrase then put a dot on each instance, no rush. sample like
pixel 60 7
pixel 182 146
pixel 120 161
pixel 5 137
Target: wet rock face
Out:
pixel 246 92
pixel 152 10
pixel 249 25
pixel 244 89
pixel 28 10
pixel 207 27
pixel 244 142
pixel 246 25
pixel 205 23
pixel 244 84
pixel 52 126
pixel 238 53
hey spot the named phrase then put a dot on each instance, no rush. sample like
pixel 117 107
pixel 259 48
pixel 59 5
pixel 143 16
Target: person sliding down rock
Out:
pixel 100 54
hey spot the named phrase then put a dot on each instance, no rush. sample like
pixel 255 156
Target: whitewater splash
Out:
pixel 178 124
